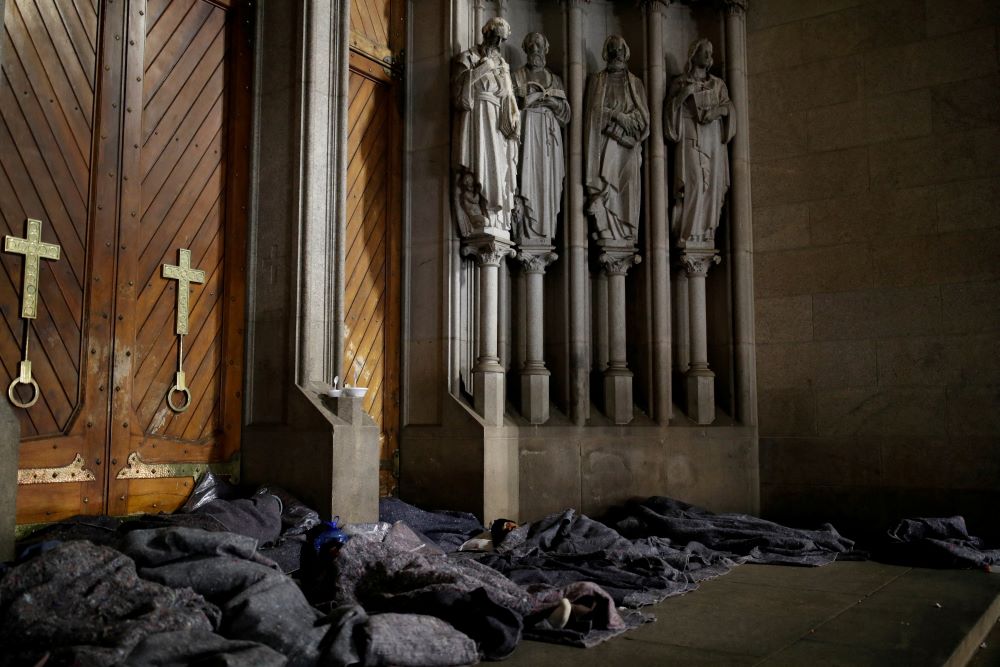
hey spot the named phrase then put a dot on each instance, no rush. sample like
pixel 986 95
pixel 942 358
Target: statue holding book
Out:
pixel 699 119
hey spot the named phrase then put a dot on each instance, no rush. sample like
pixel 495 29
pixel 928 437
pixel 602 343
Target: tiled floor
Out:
pixel 850 613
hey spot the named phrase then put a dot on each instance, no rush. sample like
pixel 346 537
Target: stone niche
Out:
pixel 583 452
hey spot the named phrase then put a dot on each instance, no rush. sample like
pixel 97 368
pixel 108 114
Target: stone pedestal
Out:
pixel 534 374
pixel 616 259
pixel 699 380
pixel 327 454
pixel 488 375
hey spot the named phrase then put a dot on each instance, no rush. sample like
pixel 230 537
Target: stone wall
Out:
pixel 875 131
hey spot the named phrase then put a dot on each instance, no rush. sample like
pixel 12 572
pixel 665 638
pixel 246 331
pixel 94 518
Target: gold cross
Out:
pixel 32 248
pixel 184 275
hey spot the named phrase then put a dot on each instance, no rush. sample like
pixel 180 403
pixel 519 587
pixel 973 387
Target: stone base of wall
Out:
pixel 523 472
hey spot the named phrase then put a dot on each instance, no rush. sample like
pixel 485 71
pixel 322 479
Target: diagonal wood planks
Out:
pixel 370 291
pixel 183 184
pixel 46 138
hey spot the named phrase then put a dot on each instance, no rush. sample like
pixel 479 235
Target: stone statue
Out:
pixel 486 133
pixel 616 124
pixel 544 111
pixel 699 118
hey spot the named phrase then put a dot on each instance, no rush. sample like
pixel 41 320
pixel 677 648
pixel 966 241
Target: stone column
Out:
pixel 699 379
pixel 682 327
pixel 659 236
pixel 534 374
pixel 616 259
pixel 576 228
pixel 488 375
pixel 740 216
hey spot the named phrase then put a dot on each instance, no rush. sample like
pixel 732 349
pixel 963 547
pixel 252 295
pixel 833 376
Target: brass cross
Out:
pixel 33 249
pixel 184 275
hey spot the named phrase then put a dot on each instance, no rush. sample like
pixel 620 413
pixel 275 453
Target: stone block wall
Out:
pixel 875 135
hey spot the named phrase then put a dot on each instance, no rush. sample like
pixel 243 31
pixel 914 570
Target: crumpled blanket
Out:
pixel 448 530
pixel 83 604
pixel 392 576
pixel 593 616
pixel 257 602
pixel 738 535
pixel 940 542
pixel 567 547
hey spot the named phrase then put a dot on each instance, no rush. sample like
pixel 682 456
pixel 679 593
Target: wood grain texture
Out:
pixel 124 127
pixel 371 293
pixel 46 136
pixel 187 92
pixel 56 136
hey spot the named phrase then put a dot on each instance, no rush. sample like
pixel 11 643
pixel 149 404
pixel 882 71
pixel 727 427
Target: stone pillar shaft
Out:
pixel 699 379
pixel 616 259
pixel 697 321
pixel 740 217
pixel 659 236
pixel 616 322
pixel 488 358
pixel 488 388
pixel 579 380
pixel 534 375
pixel 683 325
pixel 535 326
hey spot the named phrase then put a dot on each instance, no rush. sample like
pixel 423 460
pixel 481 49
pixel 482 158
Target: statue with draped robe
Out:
pixel 699 119
pixel 486 133
pixel 615 125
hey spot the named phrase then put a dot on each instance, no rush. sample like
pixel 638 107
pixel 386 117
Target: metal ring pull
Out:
pixel 18 402
pixel 180 385
pixel 187 398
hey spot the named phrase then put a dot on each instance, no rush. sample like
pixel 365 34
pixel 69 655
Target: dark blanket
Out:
pixel 938 542
pixel 593 617
pixel 738 535
pixel 257 602
pixel 449 530
pixel 566 548
pixel 389 576
pixel 83 604
pixel 180 596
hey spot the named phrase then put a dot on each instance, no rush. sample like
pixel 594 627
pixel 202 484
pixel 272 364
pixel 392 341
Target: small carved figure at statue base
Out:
pixel 699 118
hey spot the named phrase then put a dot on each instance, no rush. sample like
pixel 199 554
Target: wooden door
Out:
pixel 125 129
pixel 372 258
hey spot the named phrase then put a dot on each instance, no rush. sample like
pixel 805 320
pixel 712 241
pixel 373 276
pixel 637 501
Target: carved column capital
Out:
pixel 657 5
pixel 697 263
pixel 735 7
pixel 535 260
pixel 487 250
pixel 617 263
